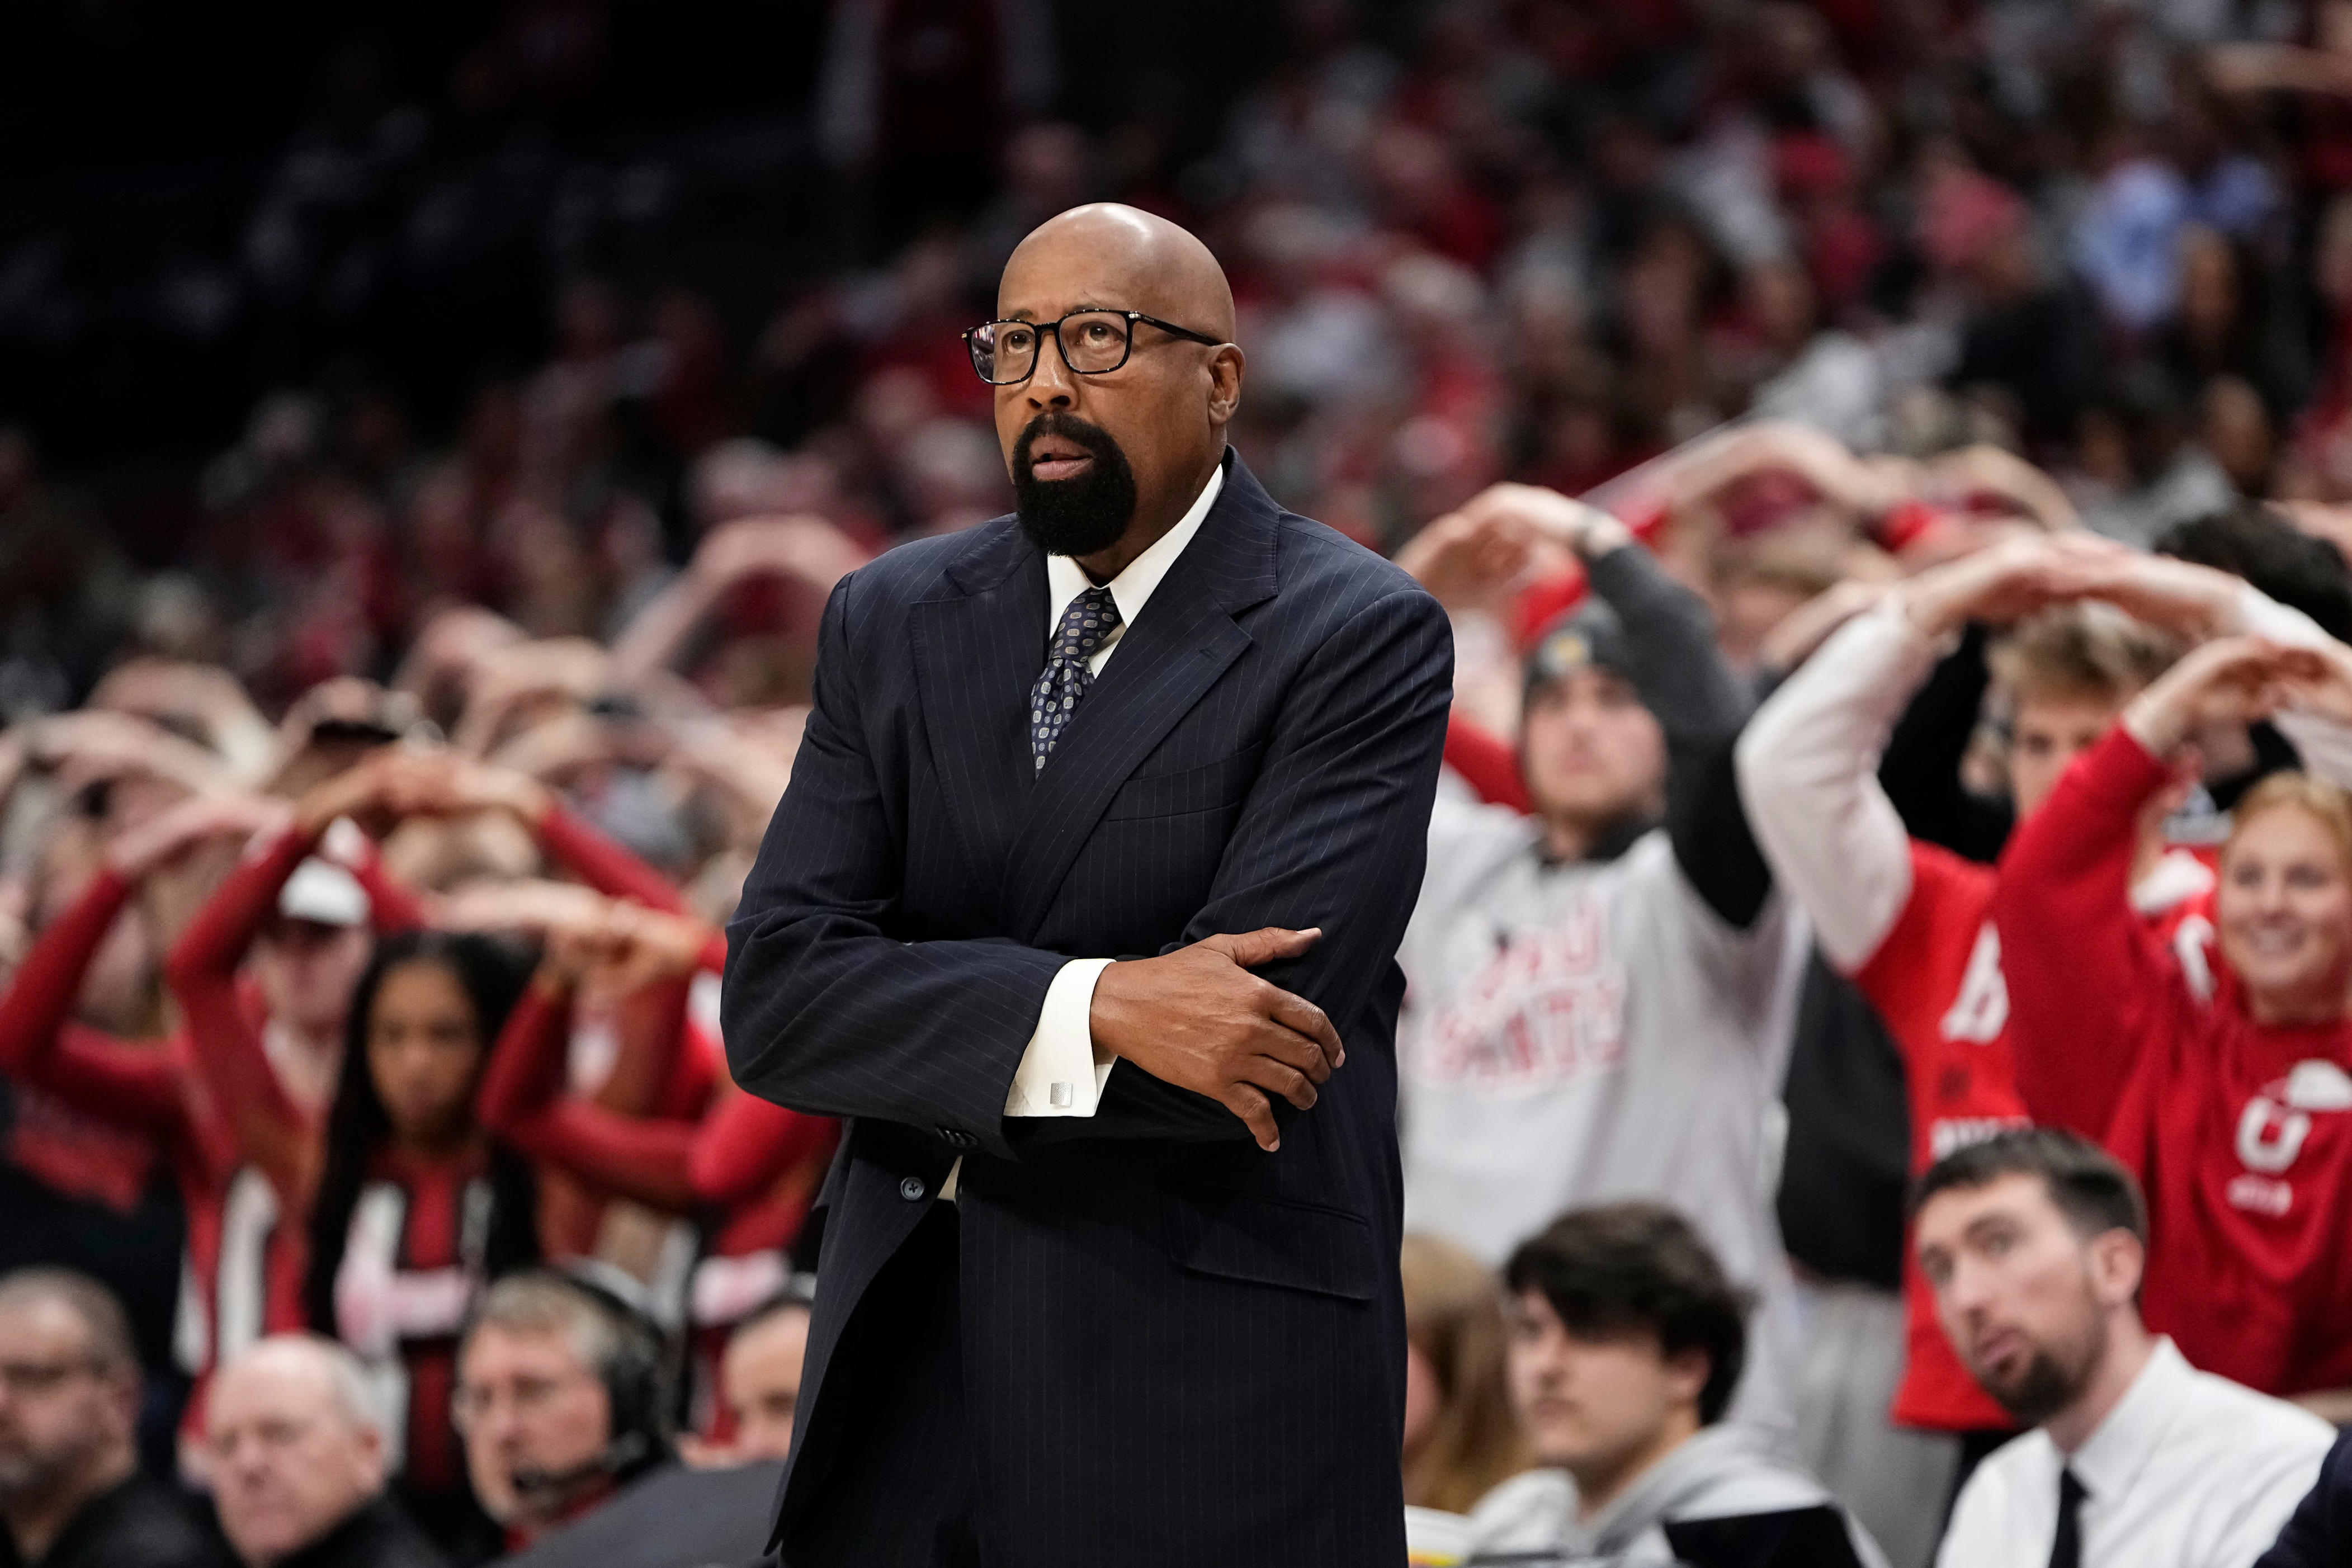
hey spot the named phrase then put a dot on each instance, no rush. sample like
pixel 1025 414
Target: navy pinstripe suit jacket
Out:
pixel 1176 1349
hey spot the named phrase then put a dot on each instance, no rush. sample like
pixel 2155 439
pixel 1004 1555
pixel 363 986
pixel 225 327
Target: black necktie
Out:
pixel 2067 1547
pixel 1092 617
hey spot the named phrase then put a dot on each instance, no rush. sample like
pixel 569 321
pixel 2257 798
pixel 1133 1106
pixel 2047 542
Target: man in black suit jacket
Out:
pixel 1109 1270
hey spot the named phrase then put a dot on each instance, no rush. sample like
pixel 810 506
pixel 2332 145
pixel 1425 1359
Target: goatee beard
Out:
pixel 2040 1392
pixel 1081 516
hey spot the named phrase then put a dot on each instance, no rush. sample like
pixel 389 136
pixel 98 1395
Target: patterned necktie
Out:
pixel 1092 617
pixel 2067 1549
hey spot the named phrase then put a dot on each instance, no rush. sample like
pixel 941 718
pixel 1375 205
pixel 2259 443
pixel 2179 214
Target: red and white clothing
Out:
pixel 1911 925
pixel 274 1133
pixel 413 1263
pixel 413 1259
pixel 2240 1132
pixel 242 1270
pixel 753 1166
pixel 413 1267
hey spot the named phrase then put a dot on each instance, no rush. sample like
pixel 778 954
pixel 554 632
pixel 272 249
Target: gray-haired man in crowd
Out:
pixel 298 1462
pixel 71 1492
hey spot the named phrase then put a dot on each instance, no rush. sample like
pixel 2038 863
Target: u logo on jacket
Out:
pixel 2270 1135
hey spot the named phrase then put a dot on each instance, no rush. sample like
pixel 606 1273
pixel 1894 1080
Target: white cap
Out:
pixel 324 892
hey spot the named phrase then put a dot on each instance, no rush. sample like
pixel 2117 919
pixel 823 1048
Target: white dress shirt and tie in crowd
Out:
pixel 2035 1243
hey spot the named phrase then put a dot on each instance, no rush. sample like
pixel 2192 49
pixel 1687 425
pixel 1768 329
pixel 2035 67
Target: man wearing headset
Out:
pixel 560 1401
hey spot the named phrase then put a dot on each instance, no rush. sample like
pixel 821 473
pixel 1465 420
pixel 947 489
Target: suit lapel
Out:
pixel 1184 640
pixel 978 647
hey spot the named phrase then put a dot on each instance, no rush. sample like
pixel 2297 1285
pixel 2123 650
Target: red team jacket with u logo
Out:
pixel 2242 1133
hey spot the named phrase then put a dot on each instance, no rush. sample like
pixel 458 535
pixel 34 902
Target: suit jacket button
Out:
pixel 911 1189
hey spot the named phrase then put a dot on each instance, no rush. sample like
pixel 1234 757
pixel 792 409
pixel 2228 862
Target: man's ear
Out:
pixel 123 1402
pixel 1687 1374
pixel 372 1458
pixel 1226 368
pixel 2118 1260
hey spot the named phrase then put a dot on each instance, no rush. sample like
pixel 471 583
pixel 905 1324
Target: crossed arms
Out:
pixel 828 1011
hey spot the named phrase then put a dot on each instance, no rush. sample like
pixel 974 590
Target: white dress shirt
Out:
pixel 2189 1470
pixel 1060 1073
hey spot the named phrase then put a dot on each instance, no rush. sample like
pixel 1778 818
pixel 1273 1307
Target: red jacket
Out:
pixel 2240 1133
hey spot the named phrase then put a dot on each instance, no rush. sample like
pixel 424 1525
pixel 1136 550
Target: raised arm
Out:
pixel 394 905
pixel 451 783
pixel 1809 762
pixel 1701 706
pixel 1706 467
pixel 1682 676
pixel 808 549
pixel 273 1132
pixel 524 1101
pixel 2202 602
pixel 1808 774
pixel 2089 984
pixel 124 1081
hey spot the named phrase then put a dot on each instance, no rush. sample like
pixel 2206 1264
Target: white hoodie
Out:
pixel 1723 1472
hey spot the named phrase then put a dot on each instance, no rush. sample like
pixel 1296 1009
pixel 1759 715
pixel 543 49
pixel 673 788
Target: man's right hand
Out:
pixel 1199 1019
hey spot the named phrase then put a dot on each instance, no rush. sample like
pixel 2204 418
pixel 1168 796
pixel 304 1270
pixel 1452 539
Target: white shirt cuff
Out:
pixel 1060 1073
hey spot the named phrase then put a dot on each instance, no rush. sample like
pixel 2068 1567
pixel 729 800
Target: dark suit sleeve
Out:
pixel 2320 1534
pixel 823 1010
pixel 1702 706
pixel 1334 834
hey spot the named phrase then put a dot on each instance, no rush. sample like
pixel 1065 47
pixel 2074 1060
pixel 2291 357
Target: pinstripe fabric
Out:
pixel 1173 1349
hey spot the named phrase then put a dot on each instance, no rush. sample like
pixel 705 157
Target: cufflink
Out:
pixel 1064 1096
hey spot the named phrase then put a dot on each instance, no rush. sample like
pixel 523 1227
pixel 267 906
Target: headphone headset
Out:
pixel 636 1376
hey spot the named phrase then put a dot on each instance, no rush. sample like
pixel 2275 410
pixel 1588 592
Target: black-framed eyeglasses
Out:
pixel 1092 342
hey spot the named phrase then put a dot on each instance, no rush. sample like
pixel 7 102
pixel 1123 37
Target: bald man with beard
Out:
pixel 1083 906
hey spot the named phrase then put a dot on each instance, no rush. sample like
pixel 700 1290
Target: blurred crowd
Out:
pixel 1938 374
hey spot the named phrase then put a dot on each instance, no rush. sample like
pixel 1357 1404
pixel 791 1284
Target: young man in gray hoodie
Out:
pixel 1599 994
pixel 1626 1340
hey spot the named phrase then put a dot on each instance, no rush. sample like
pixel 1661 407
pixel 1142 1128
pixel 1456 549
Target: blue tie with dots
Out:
pixel 1092 617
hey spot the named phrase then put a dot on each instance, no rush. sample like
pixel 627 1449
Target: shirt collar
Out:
pixel 2111 1458
pixel 1065 579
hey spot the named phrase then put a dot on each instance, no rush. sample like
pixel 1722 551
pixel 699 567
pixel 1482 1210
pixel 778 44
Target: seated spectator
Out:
pixel 559 1400
pixel 298 1462
pixel 2036 1243
pixel 761 1375
pixel 1599 994
pixel 2229 1102
pixel 1626 1342
pixel 71 1492
pixel 1461 1440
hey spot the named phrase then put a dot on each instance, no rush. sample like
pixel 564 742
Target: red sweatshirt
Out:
pixel 243 1272
pixel 2240 1133
pixel 756 1162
